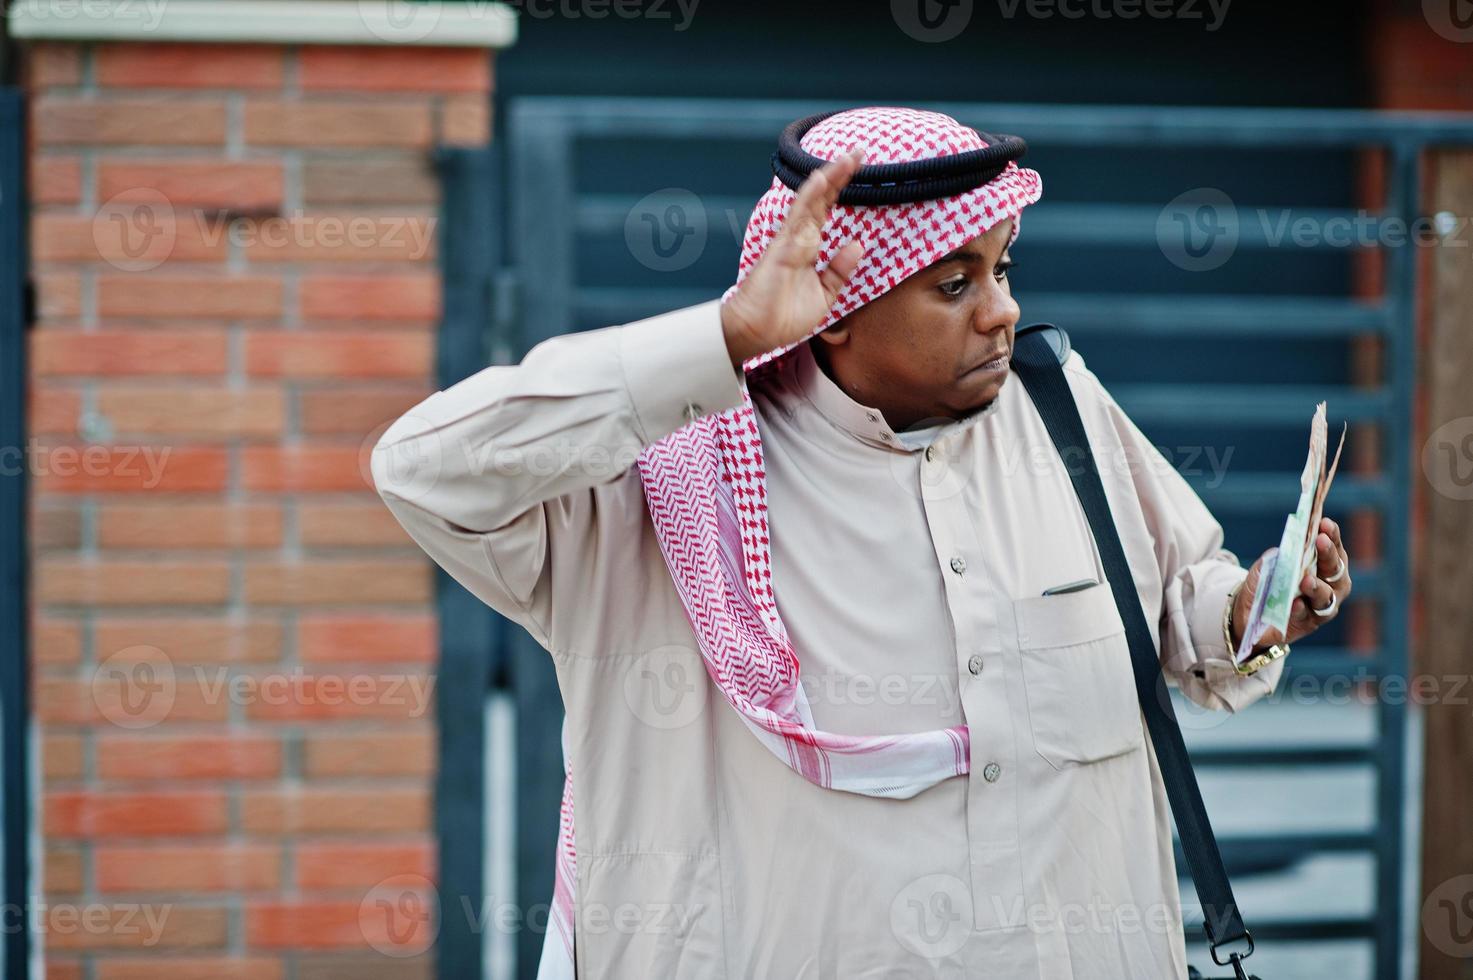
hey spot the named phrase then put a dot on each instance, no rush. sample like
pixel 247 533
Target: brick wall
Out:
pixel 1418 64
pixel 233 639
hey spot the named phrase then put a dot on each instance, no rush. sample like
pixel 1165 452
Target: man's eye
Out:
pixel 1001 272
pixel 953 287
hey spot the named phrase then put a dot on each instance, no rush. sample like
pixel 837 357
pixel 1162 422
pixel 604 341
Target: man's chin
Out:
pixel 979 395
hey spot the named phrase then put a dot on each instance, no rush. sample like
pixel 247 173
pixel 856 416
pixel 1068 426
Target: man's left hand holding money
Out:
pixel 1322 591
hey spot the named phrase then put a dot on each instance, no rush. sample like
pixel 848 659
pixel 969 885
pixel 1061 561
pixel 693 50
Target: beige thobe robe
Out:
pixel 910 580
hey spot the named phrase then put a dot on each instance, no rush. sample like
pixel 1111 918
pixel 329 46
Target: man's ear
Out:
pixel 837 334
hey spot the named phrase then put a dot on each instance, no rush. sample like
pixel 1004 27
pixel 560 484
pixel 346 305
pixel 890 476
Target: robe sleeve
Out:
pixel 1197 572
pixel 496 475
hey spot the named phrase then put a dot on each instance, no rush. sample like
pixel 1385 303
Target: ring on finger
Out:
pixel 1339 574
pixel 1328 610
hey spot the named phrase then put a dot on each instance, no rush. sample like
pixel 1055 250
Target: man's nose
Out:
pixel 999 310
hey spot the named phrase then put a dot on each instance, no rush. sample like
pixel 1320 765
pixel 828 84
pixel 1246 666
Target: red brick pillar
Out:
pixel 1422 59
pixel 234 246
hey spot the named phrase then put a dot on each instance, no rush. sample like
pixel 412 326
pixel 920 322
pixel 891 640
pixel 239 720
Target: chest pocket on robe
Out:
pixel 1076 670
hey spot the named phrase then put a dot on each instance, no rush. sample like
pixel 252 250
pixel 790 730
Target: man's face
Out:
pixel 921 350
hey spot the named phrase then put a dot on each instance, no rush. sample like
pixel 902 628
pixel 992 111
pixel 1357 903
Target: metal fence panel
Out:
pixel 15 771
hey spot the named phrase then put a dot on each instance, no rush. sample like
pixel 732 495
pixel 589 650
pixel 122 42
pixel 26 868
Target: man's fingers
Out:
pixel 1327 556
pixel 816 197
pixel 837 173
pixel 835 276
pixel 1331 553
pixel 1333 530
pixel 1298 610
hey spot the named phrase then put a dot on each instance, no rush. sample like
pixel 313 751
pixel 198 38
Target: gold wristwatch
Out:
pixel 1259 659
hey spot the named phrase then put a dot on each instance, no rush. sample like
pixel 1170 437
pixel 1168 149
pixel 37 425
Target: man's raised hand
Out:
pixel 782 299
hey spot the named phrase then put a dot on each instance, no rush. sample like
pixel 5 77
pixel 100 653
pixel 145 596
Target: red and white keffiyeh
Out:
pixel 706 492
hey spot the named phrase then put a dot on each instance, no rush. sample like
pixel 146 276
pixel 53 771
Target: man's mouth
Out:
pixel 995 364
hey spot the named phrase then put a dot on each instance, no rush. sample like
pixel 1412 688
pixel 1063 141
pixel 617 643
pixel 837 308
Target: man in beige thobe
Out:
pixel 910 556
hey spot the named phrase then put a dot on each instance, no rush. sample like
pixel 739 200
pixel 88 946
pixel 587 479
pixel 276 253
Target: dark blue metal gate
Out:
pixel 1170 245
pixel 15 797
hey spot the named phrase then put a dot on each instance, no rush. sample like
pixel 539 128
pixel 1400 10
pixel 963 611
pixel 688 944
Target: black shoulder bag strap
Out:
pixel 1038 354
